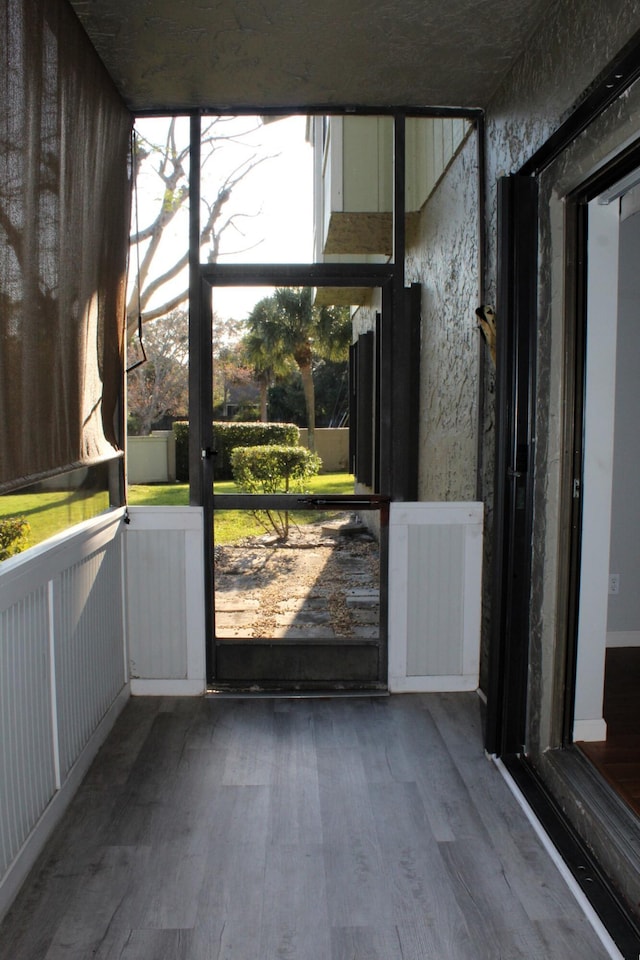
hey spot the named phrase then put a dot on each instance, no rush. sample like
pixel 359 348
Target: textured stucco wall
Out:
pixel 444 259
pixel 457 411
pixel 574 44
pixel 457 378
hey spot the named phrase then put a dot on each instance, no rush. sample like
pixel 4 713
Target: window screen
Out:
pixel 64 213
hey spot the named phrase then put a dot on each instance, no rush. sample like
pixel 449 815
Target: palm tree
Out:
pixel 289 325
pixel 267 364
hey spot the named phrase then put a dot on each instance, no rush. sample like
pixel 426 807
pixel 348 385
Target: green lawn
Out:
pixel 53 511
pixel 230 525
pixel 177 494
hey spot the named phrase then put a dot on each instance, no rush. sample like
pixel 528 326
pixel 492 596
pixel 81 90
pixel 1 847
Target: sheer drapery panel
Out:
pixel 64 216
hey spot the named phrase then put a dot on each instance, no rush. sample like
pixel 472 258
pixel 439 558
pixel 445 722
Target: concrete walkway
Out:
pixel 323 583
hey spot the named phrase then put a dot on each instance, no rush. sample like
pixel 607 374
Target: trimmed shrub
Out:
pixel 14 536
pixel 273 469
pixel 226 437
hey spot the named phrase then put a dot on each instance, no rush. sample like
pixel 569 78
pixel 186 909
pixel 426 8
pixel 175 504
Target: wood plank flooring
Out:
pixel 618 757
pixel 284 829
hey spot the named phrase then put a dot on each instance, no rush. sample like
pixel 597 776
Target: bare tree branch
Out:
pixel 164 308
pixel 170 169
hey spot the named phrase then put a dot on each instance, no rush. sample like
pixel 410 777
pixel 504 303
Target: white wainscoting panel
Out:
pixel 435 571
pixel 62 680
pixel 27 767
pixel 165 607
pixel 89 659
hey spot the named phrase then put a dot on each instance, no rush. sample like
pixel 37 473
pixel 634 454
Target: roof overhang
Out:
pixel 183 55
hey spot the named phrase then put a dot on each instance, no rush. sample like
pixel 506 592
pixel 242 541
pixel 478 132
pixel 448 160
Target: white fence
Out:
pixel 153 459
pixel 62 680
pixel 332 446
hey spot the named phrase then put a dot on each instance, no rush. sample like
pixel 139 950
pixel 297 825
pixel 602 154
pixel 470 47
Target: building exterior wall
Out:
pixel 444 260
pixel 456 374
pixel 457 411
pixel 573 46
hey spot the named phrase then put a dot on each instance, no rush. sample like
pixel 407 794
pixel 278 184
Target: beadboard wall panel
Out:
pixel 27 764
pixel 165 600
pixel 62 680
pixel 89 659
pixel 435 570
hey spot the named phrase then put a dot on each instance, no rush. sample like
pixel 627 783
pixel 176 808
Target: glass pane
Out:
pixel 321 583
pixel 37 512
pixel 257 190
pixel 281 356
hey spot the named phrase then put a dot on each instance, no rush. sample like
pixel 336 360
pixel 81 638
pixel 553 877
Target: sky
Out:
pixel 277 196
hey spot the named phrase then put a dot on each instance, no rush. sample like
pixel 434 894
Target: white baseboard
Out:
pixel 51 816
pixel 590 730
pixel 459 683
pixel 592 917
pixel 623 638
pixel 168 688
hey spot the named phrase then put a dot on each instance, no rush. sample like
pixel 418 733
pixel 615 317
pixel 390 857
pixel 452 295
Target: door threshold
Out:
pixel 580 858
pixel 278 693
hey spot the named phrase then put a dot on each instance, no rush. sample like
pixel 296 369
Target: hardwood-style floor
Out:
pixel 296 829
pixel 618 757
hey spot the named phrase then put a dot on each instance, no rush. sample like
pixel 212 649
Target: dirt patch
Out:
pixel 322 583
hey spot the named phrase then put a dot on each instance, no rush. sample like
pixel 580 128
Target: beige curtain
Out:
pixel 64 216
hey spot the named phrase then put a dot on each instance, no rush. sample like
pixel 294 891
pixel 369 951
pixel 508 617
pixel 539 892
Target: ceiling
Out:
pixel 177 55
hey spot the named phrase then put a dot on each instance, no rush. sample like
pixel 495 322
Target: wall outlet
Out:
pixel 614 583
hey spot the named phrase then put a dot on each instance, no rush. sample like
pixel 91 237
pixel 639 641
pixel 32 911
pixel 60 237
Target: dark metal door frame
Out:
pixel 393 467
pixel 514 461
pixel 281 275
pixel 506 706
pixel 577 225
pixel 311 663
pixel 504 729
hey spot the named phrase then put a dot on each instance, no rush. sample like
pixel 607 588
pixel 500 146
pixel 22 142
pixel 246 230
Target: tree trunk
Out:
pixel 310 403
pixel 264 386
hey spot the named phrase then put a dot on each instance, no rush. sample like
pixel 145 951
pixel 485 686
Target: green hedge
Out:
pixel 228 436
